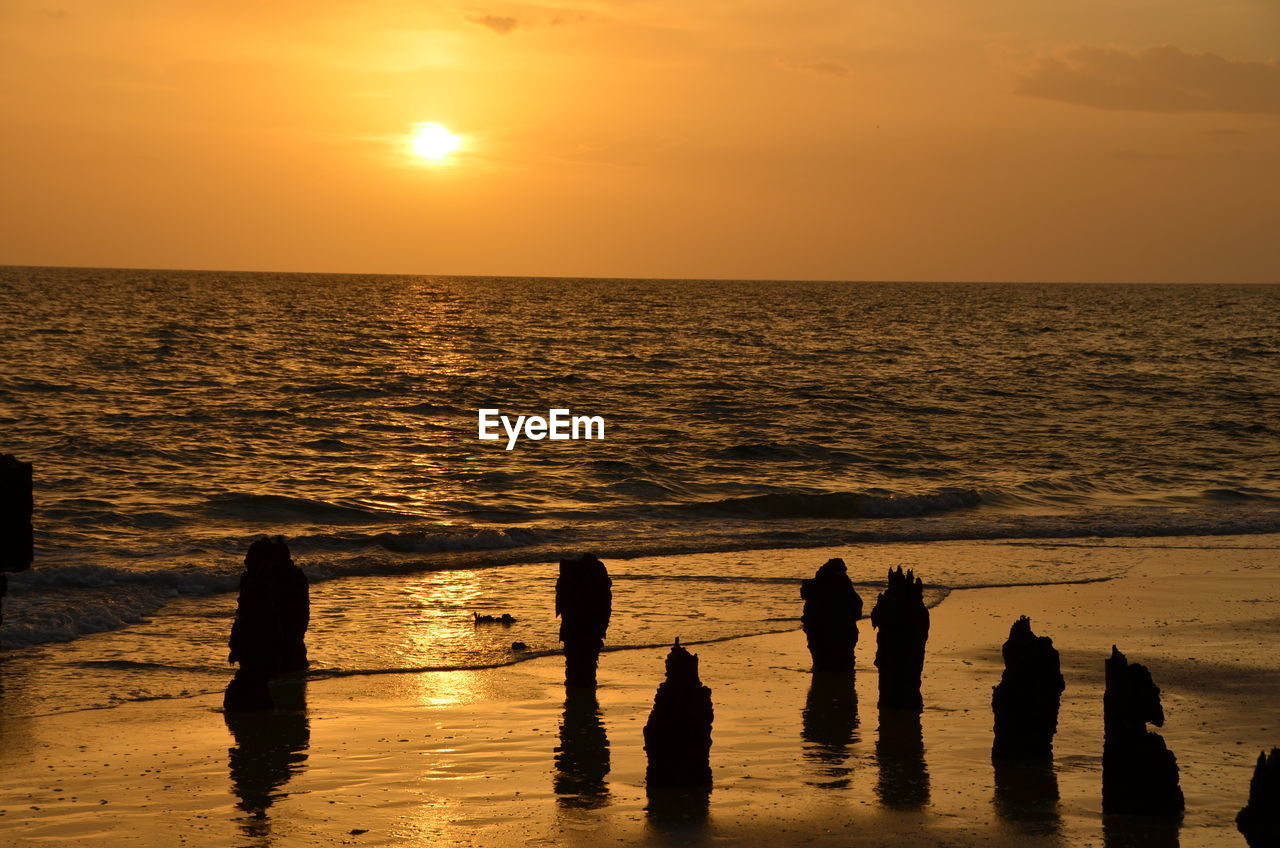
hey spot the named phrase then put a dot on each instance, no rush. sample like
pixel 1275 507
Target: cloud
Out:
pixel 1158 79
pixel 830 68
pixel 562 18
pixel 498 23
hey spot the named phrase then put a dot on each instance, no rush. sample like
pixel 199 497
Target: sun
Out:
pixel 432 141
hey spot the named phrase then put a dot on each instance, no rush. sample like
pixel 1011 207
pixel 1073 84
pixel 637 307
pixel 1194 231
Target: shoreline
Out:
pixel 149 593
pixel 469 756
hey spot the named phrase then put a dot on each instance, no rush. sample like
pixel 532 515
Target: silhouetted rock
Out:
pixel 1026 701
pixel 829 723
pixel 902 627
pixel 269 634
pixel 903 783
pixel 1259 821
pixel 832 608
pixel 677 737
pixel 17 540
pixel 505 618
pixel 584 602
pixel 1139 774
pixel 292 593
pixel 255 640
pixel 582 759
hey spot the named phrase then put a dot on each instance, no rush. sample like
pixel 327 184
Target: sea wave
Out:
pixel 59 602
pixel 871 504
pixel 487 539
pixel 267 508
pixel 60 616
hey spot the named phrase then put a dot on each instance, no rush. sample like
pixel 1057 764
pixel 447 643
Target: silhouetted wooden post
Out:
pixel 584 602
pixel 1026 701
pixel 292 595
pixel 1259 821
pixel 832 608
pixel 17 539
pixel 901 620
pixel 1139 774
pixel 677 737
pixel 269 633
pixel 255 635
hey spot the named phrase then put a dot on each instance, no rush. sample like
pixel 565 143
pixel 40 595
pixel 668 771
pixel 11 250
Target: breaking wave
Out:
pixel 872 504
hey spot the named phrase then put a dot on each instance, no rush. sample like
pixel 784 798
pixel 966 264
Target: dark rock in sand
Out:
pixel 902 628
pixel 1026 701
pixel 584 602
pixel 832 608
pixel 1139 774
pixel 677 737
pixel 1259 821
pixel 268 637
pixel 17 539
pixel 519 646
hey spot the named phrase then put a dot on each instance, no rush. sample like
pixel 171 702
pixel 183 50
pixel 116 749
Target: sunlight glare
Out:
pixel 432 141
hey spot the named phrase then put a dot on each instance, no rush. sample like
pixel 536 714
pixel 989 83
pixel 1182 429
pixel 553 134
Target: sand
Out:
pixel 471 757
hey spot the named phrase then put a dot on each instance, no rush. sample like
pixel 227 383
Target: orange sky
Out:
pixel 835 139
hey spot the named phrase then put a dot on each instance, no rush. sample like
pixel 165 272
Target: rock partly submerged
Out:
pixel 268 637
pixel 584 603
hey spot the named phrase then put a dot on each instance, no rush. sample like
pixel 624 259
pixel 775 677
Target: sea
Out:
pixel 751 429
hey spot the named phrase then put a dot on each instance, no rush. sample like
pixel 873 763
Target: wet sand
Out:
pixel 497 757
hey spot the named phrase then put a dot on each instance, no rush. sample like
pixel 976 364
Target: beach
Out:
pixel 370 372
pixel 477 756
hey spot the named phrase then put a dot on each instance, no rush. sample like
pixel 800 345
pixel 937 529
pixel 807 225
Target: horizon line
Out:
pixel 655 279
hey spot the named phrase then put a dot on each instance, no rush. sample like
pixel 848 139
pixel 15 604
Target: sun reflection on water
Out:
pixel 446 689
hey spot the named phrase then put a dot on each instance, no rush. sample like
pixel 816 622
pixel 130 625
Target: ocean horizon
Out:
pixel 173 417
